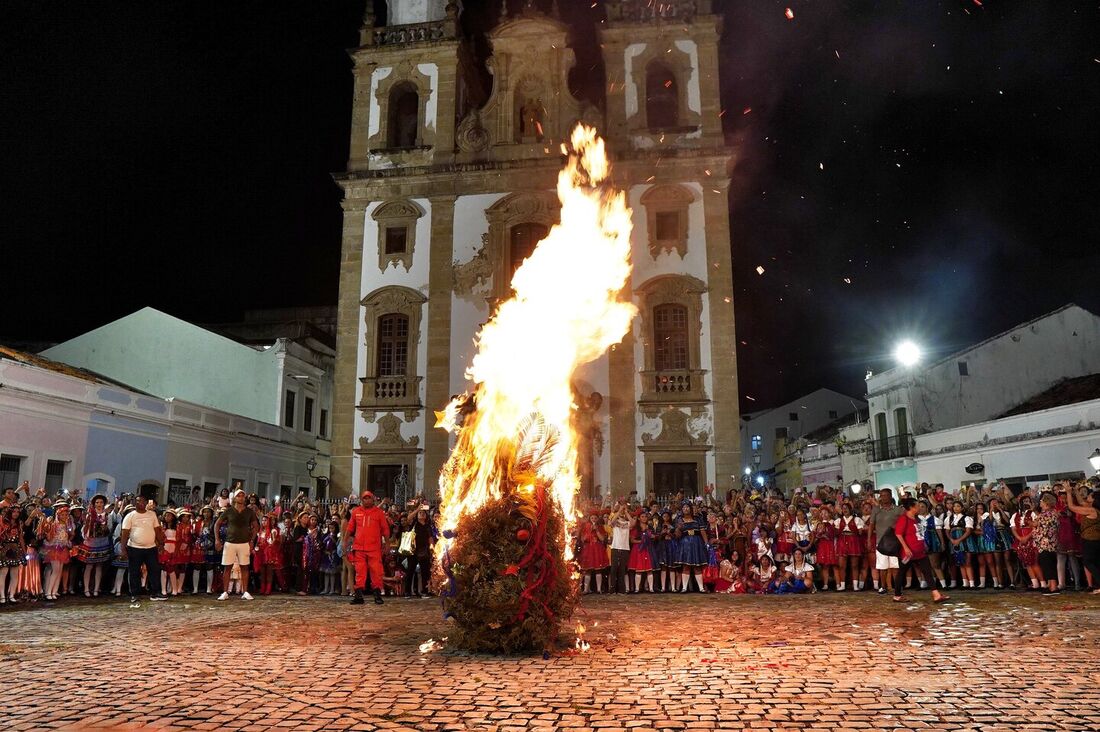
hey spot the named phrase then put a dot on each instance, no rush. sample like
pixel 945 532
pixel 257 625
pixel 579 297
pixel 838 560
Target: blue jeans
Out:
pixel 148 557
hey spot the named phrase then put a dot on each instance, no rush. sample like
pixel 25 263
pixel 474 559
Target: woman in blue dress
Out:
pixel 693 548
pixel 985 536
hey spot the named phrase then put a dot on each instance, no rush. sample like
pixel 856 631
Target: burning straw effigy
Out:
pixel 507 491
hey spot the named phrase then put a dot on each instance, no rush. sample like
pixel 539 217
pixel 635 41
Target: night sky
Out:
pixel 922 169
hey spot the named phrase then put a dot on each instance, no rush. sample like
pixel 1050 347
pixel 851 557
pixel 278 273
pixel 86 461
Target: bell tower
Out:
pixel 414 80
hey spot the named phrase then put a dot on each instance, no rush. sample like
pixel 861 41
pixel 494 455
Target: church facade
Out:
pixel 450 185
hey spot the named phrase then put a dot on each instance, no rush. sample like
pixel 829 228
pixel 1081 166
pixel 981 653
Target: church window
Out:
pixel 668 225
pixel 393 344
pixel 397 238
pixel 525 237
pixel 404 116
pixel 670 337
pixel 662 97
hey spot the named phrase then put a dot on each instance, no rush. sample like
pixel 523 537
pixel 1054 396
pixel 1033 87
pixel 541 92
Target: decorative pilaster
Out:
pixel 438 381
pixel 345 396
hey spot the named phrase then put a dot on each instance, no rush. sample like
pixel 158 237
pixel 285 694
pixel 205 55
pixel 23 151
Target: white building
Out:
pixel 280 381
pixel 1049 437
pixel 973 387
pixel 66 429
pixel 769 430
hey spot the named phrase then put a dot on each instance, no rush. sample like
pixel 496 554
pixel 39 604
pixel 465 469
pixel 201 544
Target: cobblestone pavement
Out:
pixel 981 662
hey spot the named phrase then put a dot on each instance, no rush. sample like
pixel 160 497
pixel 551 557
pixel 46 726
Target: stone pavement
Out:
pixel 829 662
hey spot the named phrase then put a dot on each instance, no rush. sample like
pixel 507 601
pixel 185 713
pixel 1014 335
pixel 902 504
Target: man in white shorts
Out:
pixel 242 527
pixel 883 518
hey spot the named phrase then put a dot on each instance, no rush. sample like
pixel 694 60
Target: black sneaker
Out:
pixel 358 599
pixel 378 598
pixel 133 600
pixel 159 598
pixel 882 590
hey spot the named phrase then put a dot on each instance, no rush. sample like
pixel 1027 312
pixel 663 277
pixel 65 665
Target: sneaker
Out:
pixel 378 598
pixel 882 590
pixel 159 598
pixel 133 600
pixel 357 599
pixel 223 596
pixel 246 596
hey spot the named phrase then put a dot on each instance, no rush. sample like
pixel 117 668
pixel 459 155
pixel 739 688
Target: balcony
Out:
pixel 404 35
pixel 647 10
pixel 890 448
pixel 386 393
pixel 681 385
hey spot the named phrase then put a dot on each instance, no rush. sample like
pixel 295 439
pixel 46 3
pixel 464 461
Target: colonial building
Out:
pixel 450 185
pixel 975 387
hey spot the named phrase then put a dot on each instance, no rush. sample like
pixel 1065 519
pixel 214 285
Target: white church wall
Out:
pixel 432 72
pixel 694 102
pixel 630 91
pixel 375 120
pixel 468 312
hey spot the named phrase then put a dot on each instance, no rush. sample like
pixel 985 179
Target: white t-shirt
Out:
pixel 142 528
pixel 800 571
pixel 620 534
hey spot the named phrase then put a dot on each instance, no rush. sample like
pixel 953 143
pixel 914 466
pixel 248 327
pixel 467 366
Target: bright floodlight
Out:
pixel 760 480
pixel 1094 459
pixel 907 353
pixel 748 471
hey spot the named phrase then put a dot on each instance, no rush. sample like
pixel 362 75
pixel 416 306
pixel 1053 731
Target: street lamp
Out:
pixel 856 487
pixel 311 465
pixel 907 353
pixel 1094 459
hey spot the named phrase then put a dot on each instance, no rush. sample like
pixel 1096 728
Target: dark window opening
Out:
pixel 288 410
pixel 322 429
pixel 55 476
pixel 662 102
pixel 667 225
pixel 525 237
pixel 670 337
pixel 404 117
pixel 780 433
pixel 832 414
pixel 397 238
pixel 307 416
pixel 393 344
pixel 964 370
pixel 793 416
pixel 9 471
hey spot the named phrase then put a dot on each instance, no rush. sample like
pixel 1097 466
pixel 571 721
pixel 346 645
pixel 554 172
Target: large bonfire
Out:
pixel 508 488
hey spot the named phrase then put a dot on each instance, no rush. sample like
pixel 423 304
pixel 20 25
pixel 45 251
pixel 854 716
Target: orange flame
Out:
pixel 565 312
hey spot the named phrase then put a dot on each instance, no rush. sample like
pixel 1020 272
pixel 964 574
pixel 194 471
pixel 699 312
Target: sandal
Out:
pixel 941 598
pixel 899 598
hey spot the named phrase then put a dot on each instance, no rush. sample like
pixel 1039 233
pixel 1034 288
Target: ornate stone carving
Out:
pixel 475 272
pixel 674 432
pixel 471 136
pixel 400 215
pixel 389 437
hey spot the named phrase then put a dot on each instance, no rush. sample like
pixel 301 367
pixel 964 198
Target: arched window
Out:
pixel 393 344
pixel 670 337
pixel 524 239
pixel 662 97
pixel 404 116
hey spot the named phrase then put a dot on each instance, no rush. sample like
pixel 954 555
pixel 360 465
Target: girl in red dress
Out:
pixel 184 540
pixel 1023 525
pixel 593 557
pixel 784 538
pixel 641 556
pixel 849 547
pixel 826 534
pixel 269 552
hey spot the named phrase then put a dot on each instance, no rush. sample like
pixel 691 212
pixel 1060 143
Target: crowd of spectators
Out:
pixel 52 546
pixel 1045 539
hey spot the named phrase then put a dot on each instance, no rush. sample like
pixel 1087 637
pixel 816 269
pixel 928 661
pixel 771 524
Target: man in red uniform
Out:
pixel 367 529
